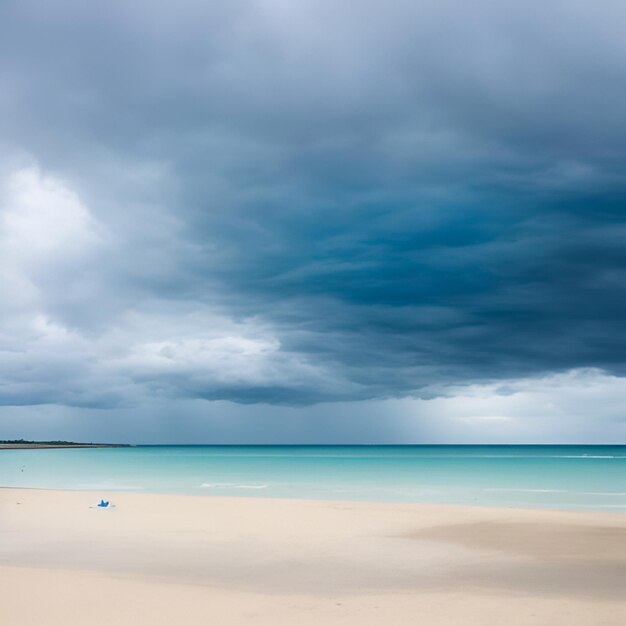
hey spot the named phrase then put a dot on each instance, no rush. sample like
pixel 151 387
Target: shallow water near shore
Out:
pixel 566 477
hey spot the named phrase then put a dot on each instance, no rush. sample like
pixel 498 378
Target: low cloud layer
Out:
pixel 290 205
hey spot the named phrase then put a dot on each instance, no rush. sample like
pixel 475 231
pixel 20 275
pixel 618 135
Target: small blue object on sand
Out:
pixel 103 504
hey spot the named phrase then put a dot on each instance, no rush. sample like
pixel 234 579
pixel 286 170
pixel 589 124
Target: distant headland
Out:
pixel 8 444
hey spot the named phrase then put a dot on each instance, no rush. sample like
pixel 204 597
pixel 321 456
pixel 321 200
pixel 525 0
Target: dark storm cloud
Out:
pixel 376 202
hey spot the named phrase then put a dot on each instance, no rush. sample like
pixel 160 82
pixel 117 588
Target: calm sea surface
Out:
pixel 574 477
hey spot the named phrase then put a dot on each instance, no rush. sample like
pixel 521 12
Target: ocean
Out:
pixel 560 477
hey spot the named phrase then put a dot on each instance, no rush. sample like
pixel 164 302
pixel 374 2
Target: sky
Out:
pixel 313 221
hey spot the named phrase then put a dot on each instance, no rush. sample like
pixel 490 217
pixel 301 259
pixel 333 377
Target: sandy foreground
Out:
pixel 179 560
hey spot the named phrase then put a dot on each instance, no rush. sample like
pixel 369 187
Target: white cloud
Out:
pixel 208 355
pixel 48 239
pixel 43 220
pixel 46 234
pixel 579 405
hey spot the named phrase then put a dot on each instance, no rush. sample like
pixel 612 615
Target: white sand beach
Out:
pixel 166 559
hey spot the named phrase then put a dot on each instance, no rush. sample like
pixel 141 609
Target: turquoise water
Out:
pixel 573 477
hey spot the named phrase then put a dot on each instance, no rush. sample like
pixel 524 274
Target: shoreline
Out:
pixel 287 561
pixel 47 446
pixel 618 513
